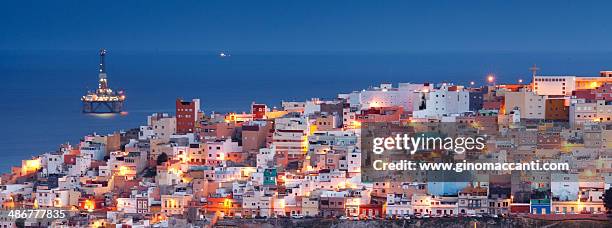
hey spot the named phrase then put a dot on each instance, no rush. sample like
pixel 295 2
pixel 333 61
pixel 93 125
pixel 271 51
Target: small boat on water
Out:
pixel 223 54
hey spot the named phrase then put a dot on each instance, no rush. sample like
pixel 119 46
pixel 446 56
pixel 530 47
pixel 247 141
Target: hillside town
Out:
pixel 304 159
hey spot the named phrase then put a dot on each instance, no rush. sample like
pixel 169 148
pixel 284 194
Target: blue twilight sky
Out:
pixel 308 25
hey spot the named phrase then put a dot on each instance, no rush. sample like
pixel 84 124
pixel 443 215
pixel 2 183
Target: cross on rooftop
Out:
pixel 534 69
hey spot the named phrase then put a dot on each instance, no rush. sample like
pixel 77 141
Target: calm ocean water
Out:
pixel 40 91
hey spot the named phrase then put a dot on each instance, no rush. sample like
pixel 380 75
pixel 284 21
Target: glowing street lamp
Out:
pixel 520 81
pixel 491 78
pixel 472 83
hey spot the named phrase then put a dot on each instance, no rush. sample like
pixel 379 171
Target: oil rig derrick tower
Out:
pixel 104 99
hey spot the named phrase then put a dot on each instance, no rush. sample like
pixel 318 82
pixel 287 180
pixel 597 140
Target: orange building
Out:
pixel 91 204
pixel 556 109
pixel 226 206
pixel 592 82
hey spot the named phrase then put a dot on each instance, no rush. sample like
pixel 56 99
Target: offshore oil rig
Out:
pixel 104 99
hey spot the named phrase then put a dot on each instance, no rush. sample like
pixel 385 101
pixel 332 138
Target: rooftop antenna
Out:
pixel 103 83
pixel 102 54
pixel 534 70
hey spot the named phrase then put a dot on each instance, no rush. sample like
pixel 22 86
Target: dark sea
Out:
pixel 40 90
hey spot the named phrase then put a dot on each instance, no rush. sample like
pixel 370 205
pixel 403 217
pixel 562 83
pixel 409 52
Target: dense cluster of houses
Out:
pixel 304 159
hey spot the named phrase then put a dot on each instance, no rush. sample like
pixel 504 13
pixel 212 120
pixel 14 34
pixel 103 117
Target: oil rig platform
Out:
pixel 104 99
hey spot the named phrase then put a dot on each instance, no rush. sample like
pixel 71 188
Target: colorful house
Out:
pixel 540 206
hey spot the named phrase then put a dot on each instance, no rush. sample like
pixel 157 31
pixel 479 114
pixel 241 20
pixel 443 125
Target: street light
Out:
pixel 520 81
pixel 472 83
pixel 490 78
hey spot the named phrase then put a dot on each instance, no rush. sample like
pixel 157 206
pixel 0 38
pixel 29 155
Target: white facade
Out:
pixel 69 182
pixel 582 112
pixel 290 136
pixel 406 96
pixel 8 191
pixel 564 187
pixel 353 162
pixel 349 119
pixel 127 205
pixel 175 204
pixel 160 126
pixel 529 104
pixel 97 151
pixel 442 102
pixel 421 203
pixel 82 164
pixel 167 177
pixel 444 206
pixel 554 85
pixel 398 205
pixel 310 207
pixel 293 106
pixel 312 106
pixel 265 157
pixel 218 151
pixel 257 203
pixel 60 198
pixel 53 163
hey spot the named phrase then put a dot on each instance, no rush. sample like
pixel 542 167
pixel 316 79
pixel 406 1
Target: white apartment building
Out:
pixel 126 205
pixel 353 160
pixel 421 203
pixel 554 85
pixel 218 151
pixel 564 187
pixel 582 112
pixel 565 85
pixel 444 205
pixel 445 101
pixel 473 200
pixel 224 174
pixel 312 106
pixel 398 205
pixel 257 203
pixel 81 165
pixel 53 163
pixel 9 190
pixel 175 204
pixel 59 198
pixel 290 136
pixel 406 95
pixel 97 151
pixel 196 153
pixel 160 126
pixel 69 182
pixel 293 106
pixel 265 157
pixel 529 104
pixel 310 207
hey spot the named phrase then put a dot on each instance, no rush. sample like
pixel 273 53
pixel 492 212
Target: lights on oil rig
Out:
pixel 104 99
